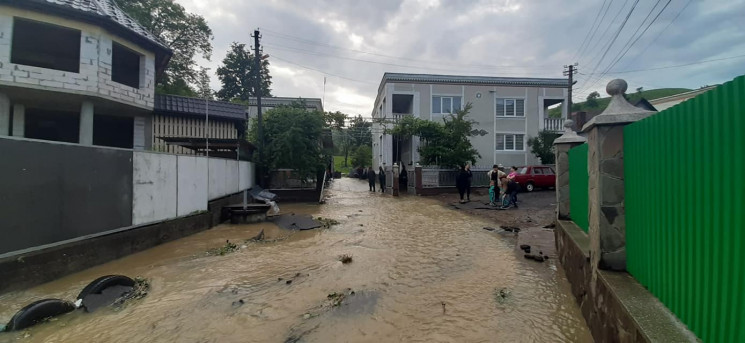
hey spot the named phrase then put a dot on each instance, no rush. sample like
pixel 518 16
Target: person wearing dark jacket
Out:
pixel 461 182
pixel 403 179
pixel 468 182
pixel 512 188
pixel 371 178
pixel 381 178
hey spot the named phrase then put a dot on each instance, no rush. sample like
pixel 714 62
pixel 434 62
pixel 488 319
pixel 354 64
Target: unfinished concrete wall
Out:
pixel 94 76
pixel 52 191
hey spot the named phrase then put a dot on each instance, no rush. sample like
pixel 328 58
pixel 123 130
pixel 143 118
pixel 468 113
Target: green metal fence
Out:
pixel 578 191
pixel 685 210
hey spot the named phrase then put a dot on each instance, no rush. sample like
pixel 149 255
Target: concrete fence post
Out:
pixel 4 115
pixel 607 216
pixel 562 145
pixel 395 179
pixel 418 176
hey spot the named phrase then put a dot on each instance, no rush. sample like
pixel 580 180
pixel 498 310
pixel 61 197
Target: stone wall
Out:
pixel 94 76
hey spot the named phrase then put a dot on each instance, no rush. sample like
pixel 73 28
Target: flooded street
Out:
pixel 421 272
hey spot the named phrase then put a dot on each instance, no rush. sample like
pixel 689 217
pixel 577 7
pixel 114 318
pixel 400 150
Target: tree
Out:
pixel 187 34
pixel 542 146
pixel 447 143
pixel 640 90
pixel 204 89
pixel 237 75
pixel 362 156
pixel 292 139
pixel 592 99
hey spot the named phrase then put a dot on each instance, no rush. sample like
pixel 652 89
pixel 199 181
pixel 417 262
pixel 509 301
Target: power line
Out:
pixel 618 32
pixel 601 42
pixel 660 34
pixel 321 71
pixel 316 43
pixel 577 53
pixel 613 63
pixel 321 54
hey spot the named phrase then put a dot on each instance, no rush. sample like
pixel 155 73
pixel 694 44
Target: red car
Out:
pixel 531 177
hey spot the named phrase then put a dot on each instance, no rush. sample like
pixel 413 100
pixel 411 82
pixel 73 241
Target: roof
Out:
pixel 475 80
pixel 278 100
pixel 187 106
pixel 683 96
pixel 104 13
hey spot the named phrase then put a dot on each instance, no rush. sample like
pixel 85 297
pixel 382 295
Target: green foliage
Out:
pixel 187 34
pixel 292 139
pixel 602 103
pixel 543 146
pixel 335 120
pixel 445 143
pixel 592 99
pixel 341 166
pixel 237 75
pixel 362 156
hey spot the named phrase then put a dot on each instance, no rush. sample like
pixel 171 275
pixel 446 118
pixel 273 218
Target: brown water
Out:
pixel 420 272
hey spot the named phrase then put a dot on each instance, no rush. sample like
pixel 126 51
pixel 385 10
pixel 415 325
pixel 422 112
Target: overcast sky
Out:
pixel 352 43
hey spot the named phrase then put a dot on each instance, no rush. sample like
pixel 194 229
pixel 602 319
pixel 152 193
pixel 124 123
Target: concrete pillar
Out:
pixel 19 120
pixel 568 140
pixel 4 115
pixel 86 123
pixel 606 187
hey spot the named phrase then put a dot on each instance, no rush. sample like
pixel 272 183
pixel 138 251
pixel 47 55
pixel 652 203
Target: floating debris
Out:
pixel 238 303
pixel 510 228
pixel 550 226
pixel 345 259
pixel 140 290
pixel 502 295
pixel 223 250
pixel 525 248
pixel 327 223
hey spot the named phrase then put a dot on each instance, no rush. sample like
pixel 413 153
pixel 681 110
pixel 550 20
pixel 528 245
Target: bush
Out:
pixel 362 156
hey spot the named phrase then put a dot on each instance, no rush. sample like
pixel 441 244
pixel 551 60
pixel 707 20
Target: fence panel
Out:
pixel 578 191
pixel 684 229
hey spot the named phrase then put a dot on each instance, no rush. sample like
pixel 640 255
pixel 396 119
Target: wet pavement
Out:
pixel 420 272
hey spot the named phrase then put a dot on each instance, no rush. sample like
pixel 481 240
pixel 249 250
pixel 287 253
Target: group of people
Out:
pixel 502 187
pixel 403 178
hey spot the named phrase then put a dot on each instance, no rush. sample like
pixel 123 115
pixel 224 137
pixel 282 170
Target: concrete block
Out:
pixel 192 184
pixel 50 83
pixel 27 81
pixel 155 185
pixel 21 73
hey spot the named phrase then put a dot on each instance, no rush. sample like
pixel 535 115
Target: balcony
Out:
pixel 553 124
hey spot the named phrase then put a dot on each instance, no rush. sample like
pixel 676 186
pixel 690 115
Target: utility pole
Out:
pixel 570 70
pixel 257 89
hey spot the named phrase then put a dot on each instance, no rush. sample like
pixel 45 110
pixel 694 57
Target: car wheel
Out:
pixel 530 187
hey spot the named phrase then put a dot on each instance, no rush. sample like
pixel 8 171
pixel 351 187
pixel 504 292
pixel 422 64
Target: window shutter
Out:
pixel 500 142
pixel 456 104
pixel 500 107
pixel 509 142
pixel 520 107
pixel 509 107
pixel 447 105
pixel 519 142
pixel 436 105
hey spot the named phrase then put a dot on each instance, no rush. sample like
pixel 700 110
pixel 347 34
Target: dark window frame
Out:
pixel 32 43
pixel 123 57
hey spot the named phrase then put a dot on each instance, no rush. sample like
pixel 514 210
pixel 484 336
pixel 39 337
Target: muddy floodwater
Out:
pixel 420 272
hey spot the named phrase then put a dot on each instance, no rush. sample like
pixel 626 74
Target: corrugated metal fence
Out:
pixel 578 191
pixel 685 228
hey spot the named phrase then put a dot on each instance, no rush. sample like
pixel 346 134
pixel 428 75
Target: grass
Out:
pixel 633 97
pixel 339 165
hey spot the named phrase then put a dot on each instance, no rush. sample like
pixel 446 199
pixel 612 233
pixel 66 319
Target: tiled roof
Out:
pixel 186 106
pixel 276 101
pixel 477 80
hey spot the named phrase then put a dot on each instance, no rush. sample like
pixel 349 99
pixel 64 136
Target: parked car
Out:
pixel 532 177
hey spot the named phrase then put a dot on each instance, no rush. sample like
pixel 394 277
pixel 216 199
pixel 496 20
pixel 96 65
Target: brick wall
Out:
pixel 94 77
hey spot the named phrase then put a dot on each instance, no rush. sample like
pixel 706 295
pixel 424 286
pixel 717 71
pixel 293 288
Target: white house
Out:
pixel 508 112
pixel 78 71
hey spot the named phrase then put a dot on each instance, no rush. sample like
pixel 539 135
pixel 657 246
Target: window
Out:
pixel 510 142
pixel 537 171
pixel 125 66
pixel 510 107
pixel 45 45
pixel 52 125
pixel 113 131
pixel 523 171
pixel 445 104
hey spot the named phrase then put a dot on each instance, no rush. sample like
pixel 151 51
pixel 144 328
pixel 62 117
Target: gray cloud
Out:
pixel 486 37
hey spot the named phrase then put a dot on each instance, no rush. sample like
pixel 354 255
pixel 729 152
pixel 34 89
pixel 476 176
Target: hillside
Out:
pixel 633 97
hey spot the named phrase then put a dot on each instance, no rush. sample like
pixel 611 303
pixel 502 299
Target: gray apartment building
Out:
pixel 508 111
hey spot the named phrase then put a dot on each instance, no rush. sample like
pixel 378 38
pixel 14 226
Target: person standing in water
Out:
pixel 461 182
pixel 371 178
pixel 381 178
pixel 468 182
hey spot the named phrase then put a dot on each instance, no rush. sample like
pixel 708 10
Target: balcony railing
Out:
pixel 553 124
